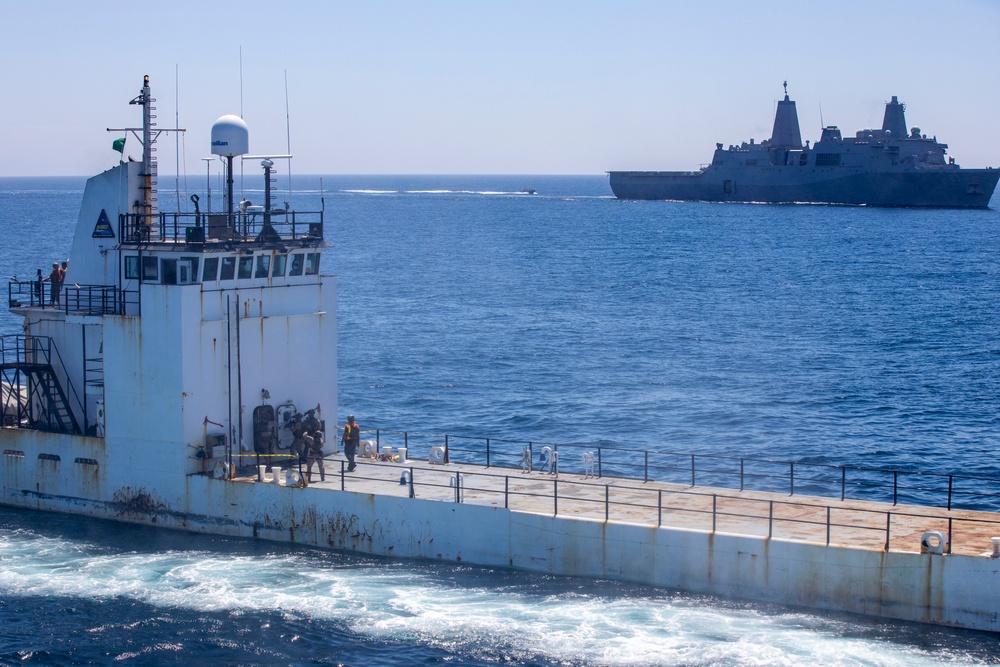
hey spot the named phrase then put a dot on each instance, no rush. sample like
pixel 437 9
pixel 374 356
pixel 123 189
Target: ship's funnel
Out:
pixel 894 120
pixel 786 126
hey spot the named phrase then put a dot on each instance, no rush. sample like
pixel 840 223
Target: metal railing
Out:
pixel 19 351
pixel 633 502
pixel 276 225
pixel 845 482
pixel 75 298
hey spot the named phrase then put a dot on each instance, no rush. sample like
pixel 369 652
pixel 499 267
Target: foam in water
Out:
pixel 567 620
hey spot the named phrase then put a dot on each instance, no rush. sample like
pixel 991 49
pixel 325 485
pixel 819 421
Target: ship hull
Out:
pixel 966 188
pixel 71 474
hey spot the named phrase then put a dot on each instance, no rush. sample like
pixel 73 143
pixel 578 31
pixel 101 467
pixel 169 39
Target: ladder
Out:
pixel 47 408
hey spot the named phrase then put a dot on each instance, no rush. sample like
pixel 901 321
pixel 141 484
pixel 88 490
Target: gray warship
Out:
pixel 876 167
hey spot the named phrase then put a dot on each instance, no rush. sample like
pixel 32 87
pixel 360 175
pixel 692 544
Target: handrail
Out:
pixel 947 490
pixel 27 349
pixel 277 224
pixel 765 517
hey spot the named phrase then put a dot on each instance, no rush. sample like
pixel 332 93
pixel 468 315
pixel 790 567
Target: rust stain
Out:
pixel 136 502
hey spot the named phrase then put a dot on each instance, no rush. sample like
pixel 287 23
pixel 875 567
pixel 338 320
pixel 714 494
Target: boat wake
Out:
pixel 486 614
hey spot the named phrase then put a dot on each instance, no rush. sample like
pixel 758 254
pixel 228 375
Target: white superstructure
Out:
pixel 174 337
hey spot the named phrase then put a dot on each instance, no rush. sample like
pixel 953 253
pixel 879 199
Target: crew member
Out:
pixel 315 455
pixel 54 279
pixel 299 447
pixel 351 438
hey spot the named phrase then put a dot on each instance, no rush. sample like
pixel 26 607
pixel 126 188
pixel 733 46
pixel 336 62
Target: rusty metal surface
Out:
pixel 848 523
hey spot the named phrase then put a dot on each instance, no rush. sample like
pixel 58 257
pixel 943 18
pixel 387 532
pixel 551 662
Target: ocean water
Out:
pixel 817 334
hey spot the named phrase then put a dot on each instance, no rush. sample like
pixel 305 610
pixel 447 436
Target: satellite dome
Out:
pixel 230 136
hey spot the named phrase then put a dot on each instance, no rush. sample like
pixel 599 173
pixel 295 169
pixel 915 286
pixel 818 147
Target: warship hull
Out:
pixel 887 166
pixel 967 188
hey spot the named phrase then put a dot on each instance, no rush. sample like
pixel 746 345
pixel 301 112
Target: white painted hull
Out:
pixel 954 590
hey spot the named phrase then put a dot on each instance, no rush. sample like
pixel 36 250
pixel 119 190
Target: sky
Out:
pixel 476 87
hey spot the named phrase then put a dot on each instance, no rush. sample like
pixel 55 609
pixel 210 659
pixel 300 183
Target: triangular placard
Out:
pixel 102 230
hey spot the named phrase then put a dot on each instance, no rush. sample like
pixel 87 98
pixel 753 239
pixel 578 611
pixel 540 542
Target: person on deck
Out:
pixel 54 279
pixel 351 438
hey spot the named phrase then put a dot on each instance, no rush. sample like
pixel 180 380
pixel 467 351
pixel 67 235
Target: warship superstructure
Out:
pixel 877 167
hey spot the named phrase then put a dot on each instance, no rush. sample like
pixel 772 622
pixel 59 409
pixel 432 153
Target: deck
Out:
pixel 810 519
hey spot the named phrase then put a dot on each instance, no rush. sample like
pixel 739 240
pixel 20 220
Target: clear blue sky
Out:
pixel 469 86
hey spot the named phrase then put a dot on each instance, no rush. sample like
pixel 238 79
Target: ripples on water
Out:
pixel 836 335
pixel 77 591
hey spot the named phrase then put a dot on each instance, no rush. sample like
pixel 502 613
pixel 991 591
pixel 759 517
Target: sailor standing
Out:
pixel 314 443
pixel 351 438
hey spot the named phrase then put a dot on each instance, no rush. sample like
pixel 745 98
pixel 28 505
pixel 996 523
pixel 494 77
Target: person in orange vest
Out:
pixel 55 281
pixel 351 438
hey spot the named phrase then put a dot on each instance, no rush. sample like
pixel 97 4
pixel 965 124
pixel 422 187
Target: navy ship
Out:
pixel 876 167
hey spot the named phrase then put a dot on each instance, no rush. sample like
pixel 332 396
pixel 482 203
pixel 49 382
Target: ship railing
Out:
pixel 28 293
pixel 75 298
pixel 847 524
pixel 845 482
pixel 18 351
pixel 243 227
pixel 99 299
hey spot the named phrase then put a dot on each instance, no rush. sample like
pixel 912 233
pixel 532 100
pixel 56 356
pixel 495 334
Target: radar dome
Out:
pixel 230 136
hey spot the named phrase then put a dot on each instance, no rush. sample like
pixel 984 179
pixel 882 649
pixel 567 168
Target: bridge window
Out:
pixel 263 266
pixel 280 261
pixel 246 267
pixel 211 272
pixel 312 264
pixel 150 269
pixel 228 268
pixel 827 159
pixel 297 261
pixel 131 267
pixel 168 269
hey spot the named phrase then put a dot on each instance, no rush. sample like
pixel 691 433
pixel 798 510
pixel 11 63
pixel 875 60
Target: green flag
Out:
pixel 119 144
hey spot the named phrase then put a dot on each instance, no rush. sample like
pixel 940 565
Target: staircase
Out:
pixel 47 407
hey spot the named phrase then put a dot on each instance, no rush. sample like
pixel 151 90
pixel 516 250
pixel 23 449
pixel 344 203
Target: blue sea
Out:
pixel 817 334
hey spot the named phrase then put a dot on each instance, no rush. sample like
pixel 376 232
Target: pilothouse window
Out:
pixel 297 260
pixel 131 267
pixel 228 268
pixel 150 269
pixel 312 264
pixel 246 267
pixel 280 261
pixel 211 269
pixel 263 266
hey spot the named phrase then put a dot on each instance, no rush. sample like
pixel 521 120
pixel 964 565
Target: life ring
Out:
pixel 436 455
pixel 221 470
